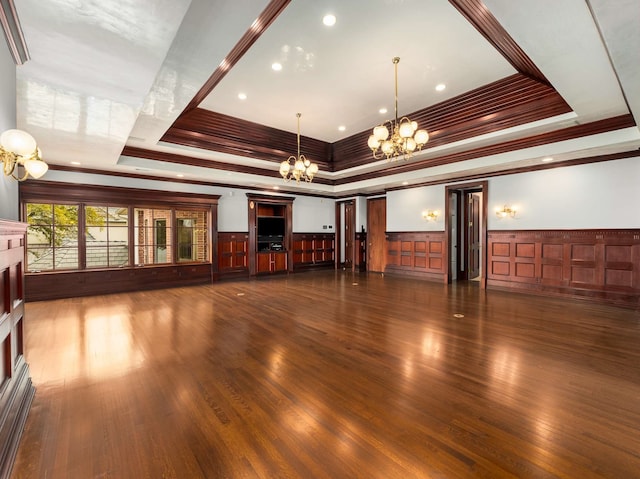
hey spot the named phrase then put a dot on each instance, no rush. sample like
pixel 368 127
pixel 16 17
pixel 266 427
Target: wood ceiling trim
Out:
pixel 258 27
pixel 213 131
pixel 205 163
pixel 506 103
pixel 13 32
pixel 289 188
pixel 509 102
pixel 569 133
pixel 489 27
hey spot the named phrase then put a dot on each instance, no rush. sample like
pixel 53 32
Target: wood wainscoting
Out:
pixel 602 265
pixel 313 250
pixel 16 390
pixel 69 284
pixel 418 254
pixel 233 257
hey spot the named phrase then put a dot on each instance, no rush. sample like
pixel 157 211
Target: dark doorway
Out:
pixel 466 229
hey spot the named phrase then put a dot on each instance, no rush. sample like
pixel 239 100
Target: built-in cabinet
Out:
pixel 312 250
pixel 270 234
pixel 233 254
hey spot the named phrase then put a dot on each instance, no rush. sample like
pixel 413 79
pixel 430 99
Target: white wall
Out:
pixel 8 186
pixel 595 195
pixel 310 214
pixel 405 207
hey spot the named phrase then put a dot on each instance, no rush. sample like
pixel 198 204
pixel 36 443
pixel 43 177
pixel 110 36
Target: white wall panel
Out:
pixel 405 207
pixel 596 195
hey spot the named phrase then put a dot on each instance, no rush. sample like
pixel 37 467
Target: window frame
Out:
pixel 93 195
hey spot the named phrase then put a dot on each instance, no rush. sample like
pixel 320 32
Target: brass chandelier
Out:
pixel 405 136
pixel 298 167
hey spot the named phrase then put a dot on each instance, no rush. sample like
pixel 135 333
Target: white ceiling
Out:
pixel 105 74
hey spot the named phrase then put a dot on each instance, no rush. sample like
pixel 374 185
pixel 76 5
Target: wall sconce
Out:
pixel 18 148
pixel 430 215
pixel 506 211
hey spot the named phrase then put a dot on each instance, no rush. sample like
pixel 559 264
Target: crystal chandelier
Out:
pixel 405 136
pixel 298 167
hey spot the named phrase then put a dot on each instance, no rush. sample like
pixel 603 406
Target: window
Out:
pixel 192 235
pixel 106 236
pixel 153 236
pixel 52 237
pixel 88 236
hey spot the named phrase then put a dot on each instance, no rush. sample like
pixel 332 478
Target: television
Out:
pixel 271 226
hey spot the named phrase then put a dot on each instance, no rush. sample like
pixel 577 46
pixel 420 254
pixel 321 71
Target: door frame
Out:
pixel 340 233
pixel 481 187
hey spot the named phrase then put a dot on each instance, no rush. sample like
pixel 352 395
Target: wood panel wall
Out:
pixel 313 250
pixel 233 254
pixel 16 390
pixel 70 284
pixel 595 264
pixel 418 254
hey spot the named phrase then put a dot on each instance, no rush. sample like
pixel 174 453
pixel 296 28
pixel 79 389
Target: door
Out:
pixel 376 234
pixel 349 234
pixel 466 230
pixel 473 235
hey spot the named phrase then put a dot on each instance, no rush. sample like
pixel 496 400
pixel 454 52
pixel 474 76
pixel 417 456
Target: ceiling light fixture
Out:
pixel 405 136
pixel 18 148
pixel 298 167
pixel 329 20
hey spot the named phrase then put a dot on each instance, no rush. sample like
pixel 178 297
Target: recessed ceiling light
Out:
pixel 440 87
pixel 329 20
pixel 342 128
pixel 76 163
pixel 276 67
pixel 382 111
pixel 405 183
pixel 242 96
pixel 276 187
pixel 180 175
pixel 547 159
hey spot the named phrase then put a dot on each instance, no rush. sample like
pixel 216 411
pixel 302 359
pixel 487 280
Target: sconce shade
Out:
pixel 18 148
pixel 19 142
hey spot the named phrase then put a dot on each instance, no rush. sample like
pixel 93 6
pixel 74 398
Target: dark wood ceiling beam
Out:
pixel 506 103
pixel 213 131
pixel 204 163
pixel 569 133
pixel 489 27
pixel 258 27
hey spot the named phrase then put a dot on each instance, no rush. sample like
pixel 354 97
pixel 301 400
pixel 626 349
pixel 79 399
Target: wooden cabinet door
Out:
pixel 279 261
pixel 263 262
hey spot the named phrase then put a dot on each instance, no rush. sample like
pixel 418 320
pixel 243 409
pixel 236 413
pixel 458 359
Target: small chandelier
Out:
pixel 405 136
pixel 18 148
pixel 298 167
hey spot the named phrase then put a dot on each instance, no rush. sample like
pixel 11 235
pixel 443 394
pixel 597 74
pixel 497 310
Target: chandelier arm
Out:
pixel 378 157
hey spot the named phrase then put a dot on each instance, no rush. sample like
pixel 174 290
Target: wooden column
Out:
pixel 16 390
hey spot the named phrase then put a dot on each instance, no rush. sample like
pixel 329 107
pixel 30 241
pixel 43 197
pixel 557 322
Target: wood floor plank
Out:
pixel 331 375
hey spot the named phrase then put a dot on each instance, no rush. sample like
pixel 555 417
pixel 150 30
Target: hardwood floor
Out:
pixel 331 375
